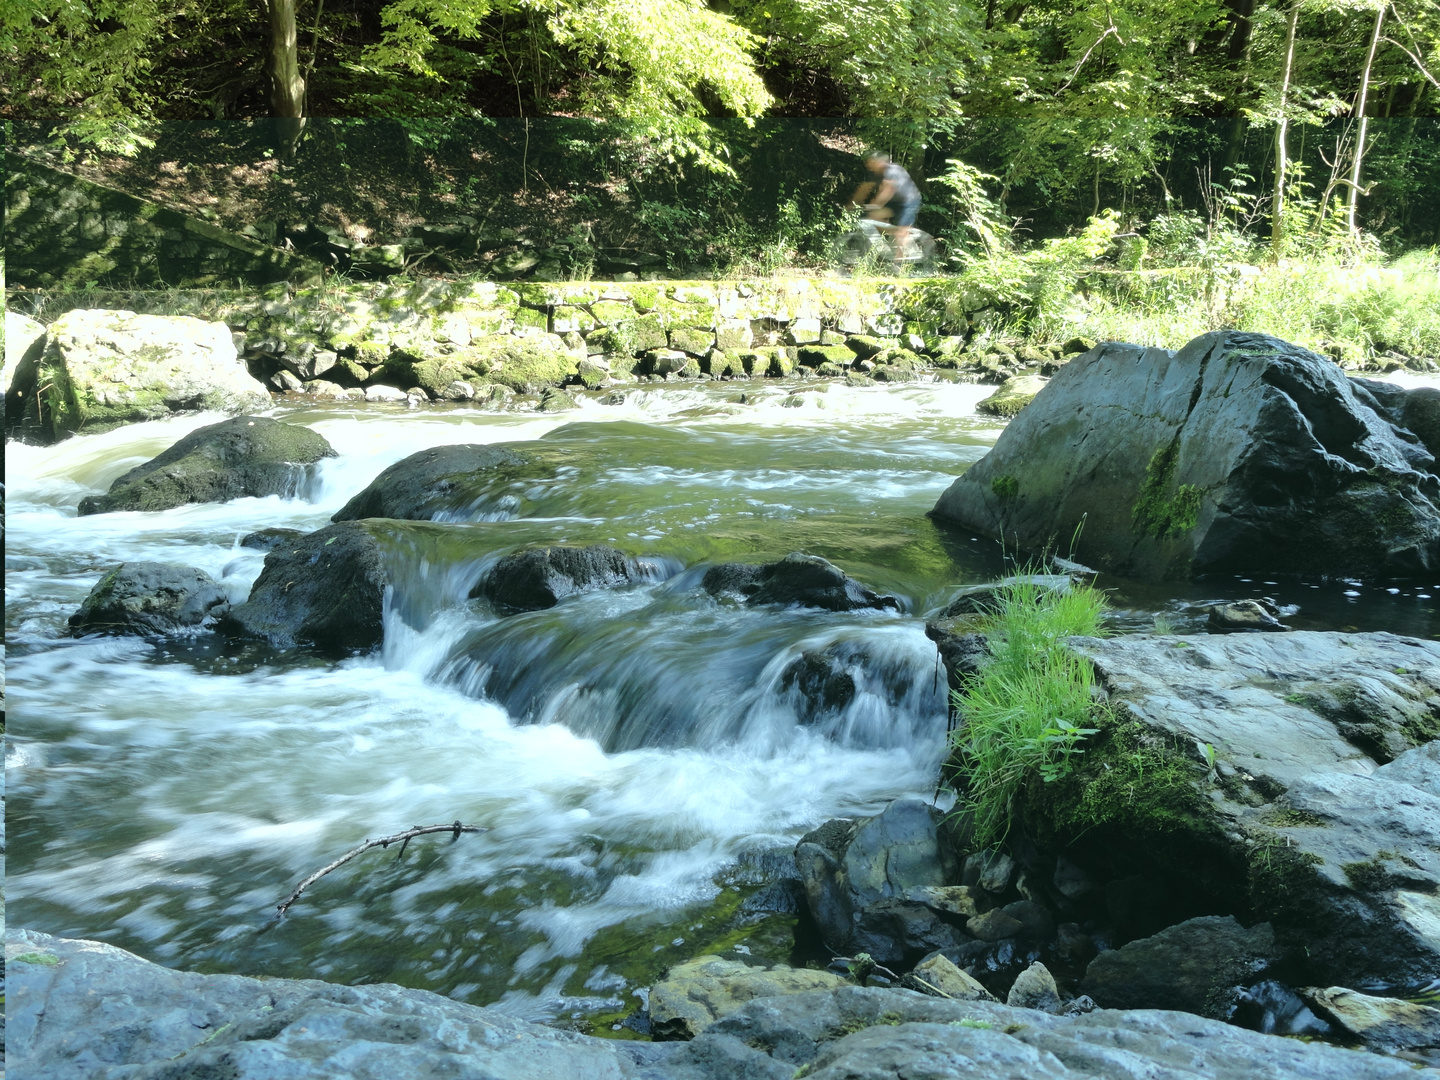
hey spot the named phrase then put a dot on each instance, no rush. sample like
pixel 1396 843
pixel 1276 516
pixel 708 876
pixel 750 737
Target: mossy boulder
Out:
pixel 1240 452
pixel 1012 395
pixel 325 589
pixel 525 364
pixel 21 332
pixel 449 483
pixel 149 598
pixel 816 355
pixel 99 369
pixel 250 456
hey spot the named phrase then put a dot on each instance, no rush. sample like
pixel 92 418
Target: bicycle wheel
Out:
pixel 851 250
pixel 922 246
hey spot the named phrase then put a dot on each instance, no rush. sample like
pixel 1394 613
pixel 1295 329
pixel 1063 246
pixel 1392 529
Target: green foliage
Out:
pixel 1029 709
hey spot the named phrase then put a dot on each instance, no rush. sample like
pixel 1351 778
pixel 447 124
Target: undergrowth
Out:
pixel 1029 709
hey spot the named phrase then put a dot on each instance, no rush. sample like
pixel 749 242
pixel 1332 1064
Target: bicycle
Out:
pixel 871 243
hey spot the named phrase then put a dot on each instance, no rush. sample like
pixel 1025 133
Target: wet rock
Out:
pixel 1272 1007
pixel 807 580
pixel 270 539
pixel 845 866
pixel 326 589
pixel 1072 881
pixel 1243 616
pixel 462 482
pixel 553 400
pixel 824 681
pixel 897 932
pixel 101 369
pixel 692 996
pixel 247 456
pixel 1198 966
pixel 540 577
pixel 1238 452
pixel 992 871
pixel 1381 1023
pixel 1035 989
pixel 996 925
pixel 64 1024
pixel 380 393
pixel 942 975
pixel 1012 395
pixel 150 598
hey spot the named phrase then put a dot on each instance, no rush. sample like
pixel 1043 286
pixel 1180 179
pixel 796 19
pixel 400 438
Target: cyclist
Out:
pixel 892 184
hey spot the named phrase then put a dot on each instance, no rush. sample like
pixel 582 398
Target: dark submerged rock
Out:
pixel 1238 452
pixel 1199 966
pixel 455 482
pixel 270 539
pixel 244 456
pixel 540 577
pixel 150 598
pixel 326 589
pixel 1244 616
pixel 807 580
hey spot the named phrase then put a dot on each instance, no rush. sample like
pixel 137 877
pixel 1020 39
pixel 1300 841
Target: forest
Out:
pixel 1056 110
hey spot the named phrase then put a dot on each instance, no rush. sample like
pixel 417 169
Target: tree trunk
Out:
pixel 1360 112
pixel 1282 161
pixel 287 86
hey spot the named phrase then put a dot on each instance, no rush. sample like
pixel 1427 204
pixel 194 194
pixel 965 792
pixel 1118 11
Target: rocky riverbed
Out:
pixel 685 654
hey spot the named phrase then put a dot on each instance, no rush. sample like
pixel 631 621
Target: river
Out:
pixel 638 755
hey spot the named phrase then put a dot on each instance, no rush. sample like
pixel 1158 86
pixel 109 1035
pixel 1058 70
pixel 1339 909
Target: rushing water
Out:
pixel 637 754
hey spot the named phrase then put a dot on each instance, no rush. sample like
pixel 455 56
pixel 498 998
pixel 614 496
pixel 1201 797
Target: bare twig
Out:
pixel 401 838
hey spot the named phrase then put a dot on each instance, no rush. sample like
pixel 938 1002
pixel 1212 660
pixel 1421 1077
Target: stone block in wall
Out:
pixel 733 335
pixel 694 342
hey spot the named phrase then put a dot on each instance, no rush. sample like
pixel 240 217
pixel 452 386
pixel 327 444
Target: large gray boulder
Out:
pixel 150 598
pixel 539 578
pixel 448 483
pixel 325 589
pixel 21 332
pixel 82 1010
pixel 867 881
pixel 1238 452
pixel 244 456
pixel 1293 776
pixel 99 369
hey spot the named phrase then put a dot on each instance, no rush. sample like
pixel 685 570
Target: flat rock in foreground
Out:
pixel 1238 452
pixel 1292 776
pixel 82 1010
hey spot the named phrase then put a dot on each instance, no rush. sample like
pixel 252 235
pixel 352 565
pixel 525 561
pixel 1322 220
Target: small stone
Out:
pixel 1381 1023
pixel 1072 882
pixel 959 900
pixel 996 871
pixel 384 393
pixel 994 925
pixel 1035 989
pixel 459 390
pixel 1242 616
pixel 1034 920
pixel 938 971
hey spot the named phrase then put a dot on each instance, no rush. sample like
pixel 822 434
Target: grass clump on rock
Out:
pixel 1028 710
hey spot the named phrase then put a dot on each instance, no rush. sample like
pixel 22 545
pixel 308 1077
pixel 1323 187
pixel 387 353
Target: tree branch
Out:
pixel 402 838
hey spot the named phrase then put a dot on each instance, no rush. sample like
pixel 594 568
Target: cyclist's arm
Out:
pixel 886 192
pixel 859 198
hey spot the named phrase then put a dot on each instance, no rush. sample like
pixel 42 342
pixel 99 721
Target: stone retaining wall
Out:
pixel 65 232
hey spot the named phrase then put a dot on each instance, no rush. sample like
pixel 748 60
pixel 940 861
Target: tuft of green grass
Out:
pixel 1029 709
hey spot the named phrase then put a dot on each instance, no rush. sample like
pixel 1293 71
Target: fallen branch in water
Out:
pixel 401 838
